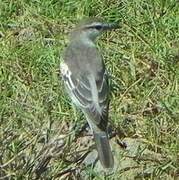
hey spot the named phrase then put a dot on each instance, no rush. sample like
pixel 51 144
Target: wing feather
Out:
pixel 82 93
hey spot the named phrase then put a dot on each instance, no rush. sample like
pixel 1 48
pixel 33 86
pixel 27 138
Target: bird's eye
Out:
pixel 98 27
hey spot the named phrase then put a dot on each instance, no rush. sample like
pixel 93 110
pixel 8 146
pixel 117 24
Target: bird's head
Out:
pixel 92 28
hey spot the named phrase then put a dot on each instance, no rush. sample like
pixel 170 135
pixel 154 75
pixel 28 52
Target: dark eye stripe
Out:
pixel 98 27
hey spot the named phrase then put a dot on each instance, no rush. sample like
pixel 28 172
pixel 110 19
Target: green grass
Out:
pixel 142 58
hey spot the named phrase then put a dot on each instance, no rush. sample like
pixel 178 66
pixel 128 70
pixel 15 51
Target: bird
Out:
pixel 86 81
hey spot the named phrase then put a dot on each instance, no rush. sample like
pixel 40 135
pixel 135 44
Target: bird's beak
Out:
pixel 110 26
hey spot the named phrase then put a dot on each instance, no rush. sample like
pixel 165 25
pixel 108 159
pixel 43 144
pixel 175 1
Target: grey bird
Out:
pixel 85 78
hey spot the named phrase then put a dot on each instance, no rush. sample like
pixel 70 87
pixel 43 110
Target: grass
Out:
pixel 36 118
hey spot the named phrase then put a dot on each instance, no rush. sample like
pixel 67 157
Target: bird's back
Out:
pixel 84 59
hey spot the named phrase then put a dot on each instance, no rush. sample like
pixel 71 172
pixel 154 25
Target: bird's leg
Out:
pixel 111 132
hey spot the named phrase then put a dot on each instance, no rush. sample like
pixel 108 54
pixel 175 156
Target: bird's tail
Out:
pixel 104 149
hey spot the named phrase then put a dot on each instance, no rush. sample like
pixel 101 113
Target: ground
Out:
pixel 40 133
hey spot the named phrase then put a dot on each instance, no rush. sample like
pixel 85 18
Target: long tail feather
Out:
pixel 104 149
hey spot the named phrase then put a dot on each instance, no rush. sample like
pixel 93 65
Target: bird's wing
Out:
pixel 90 94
